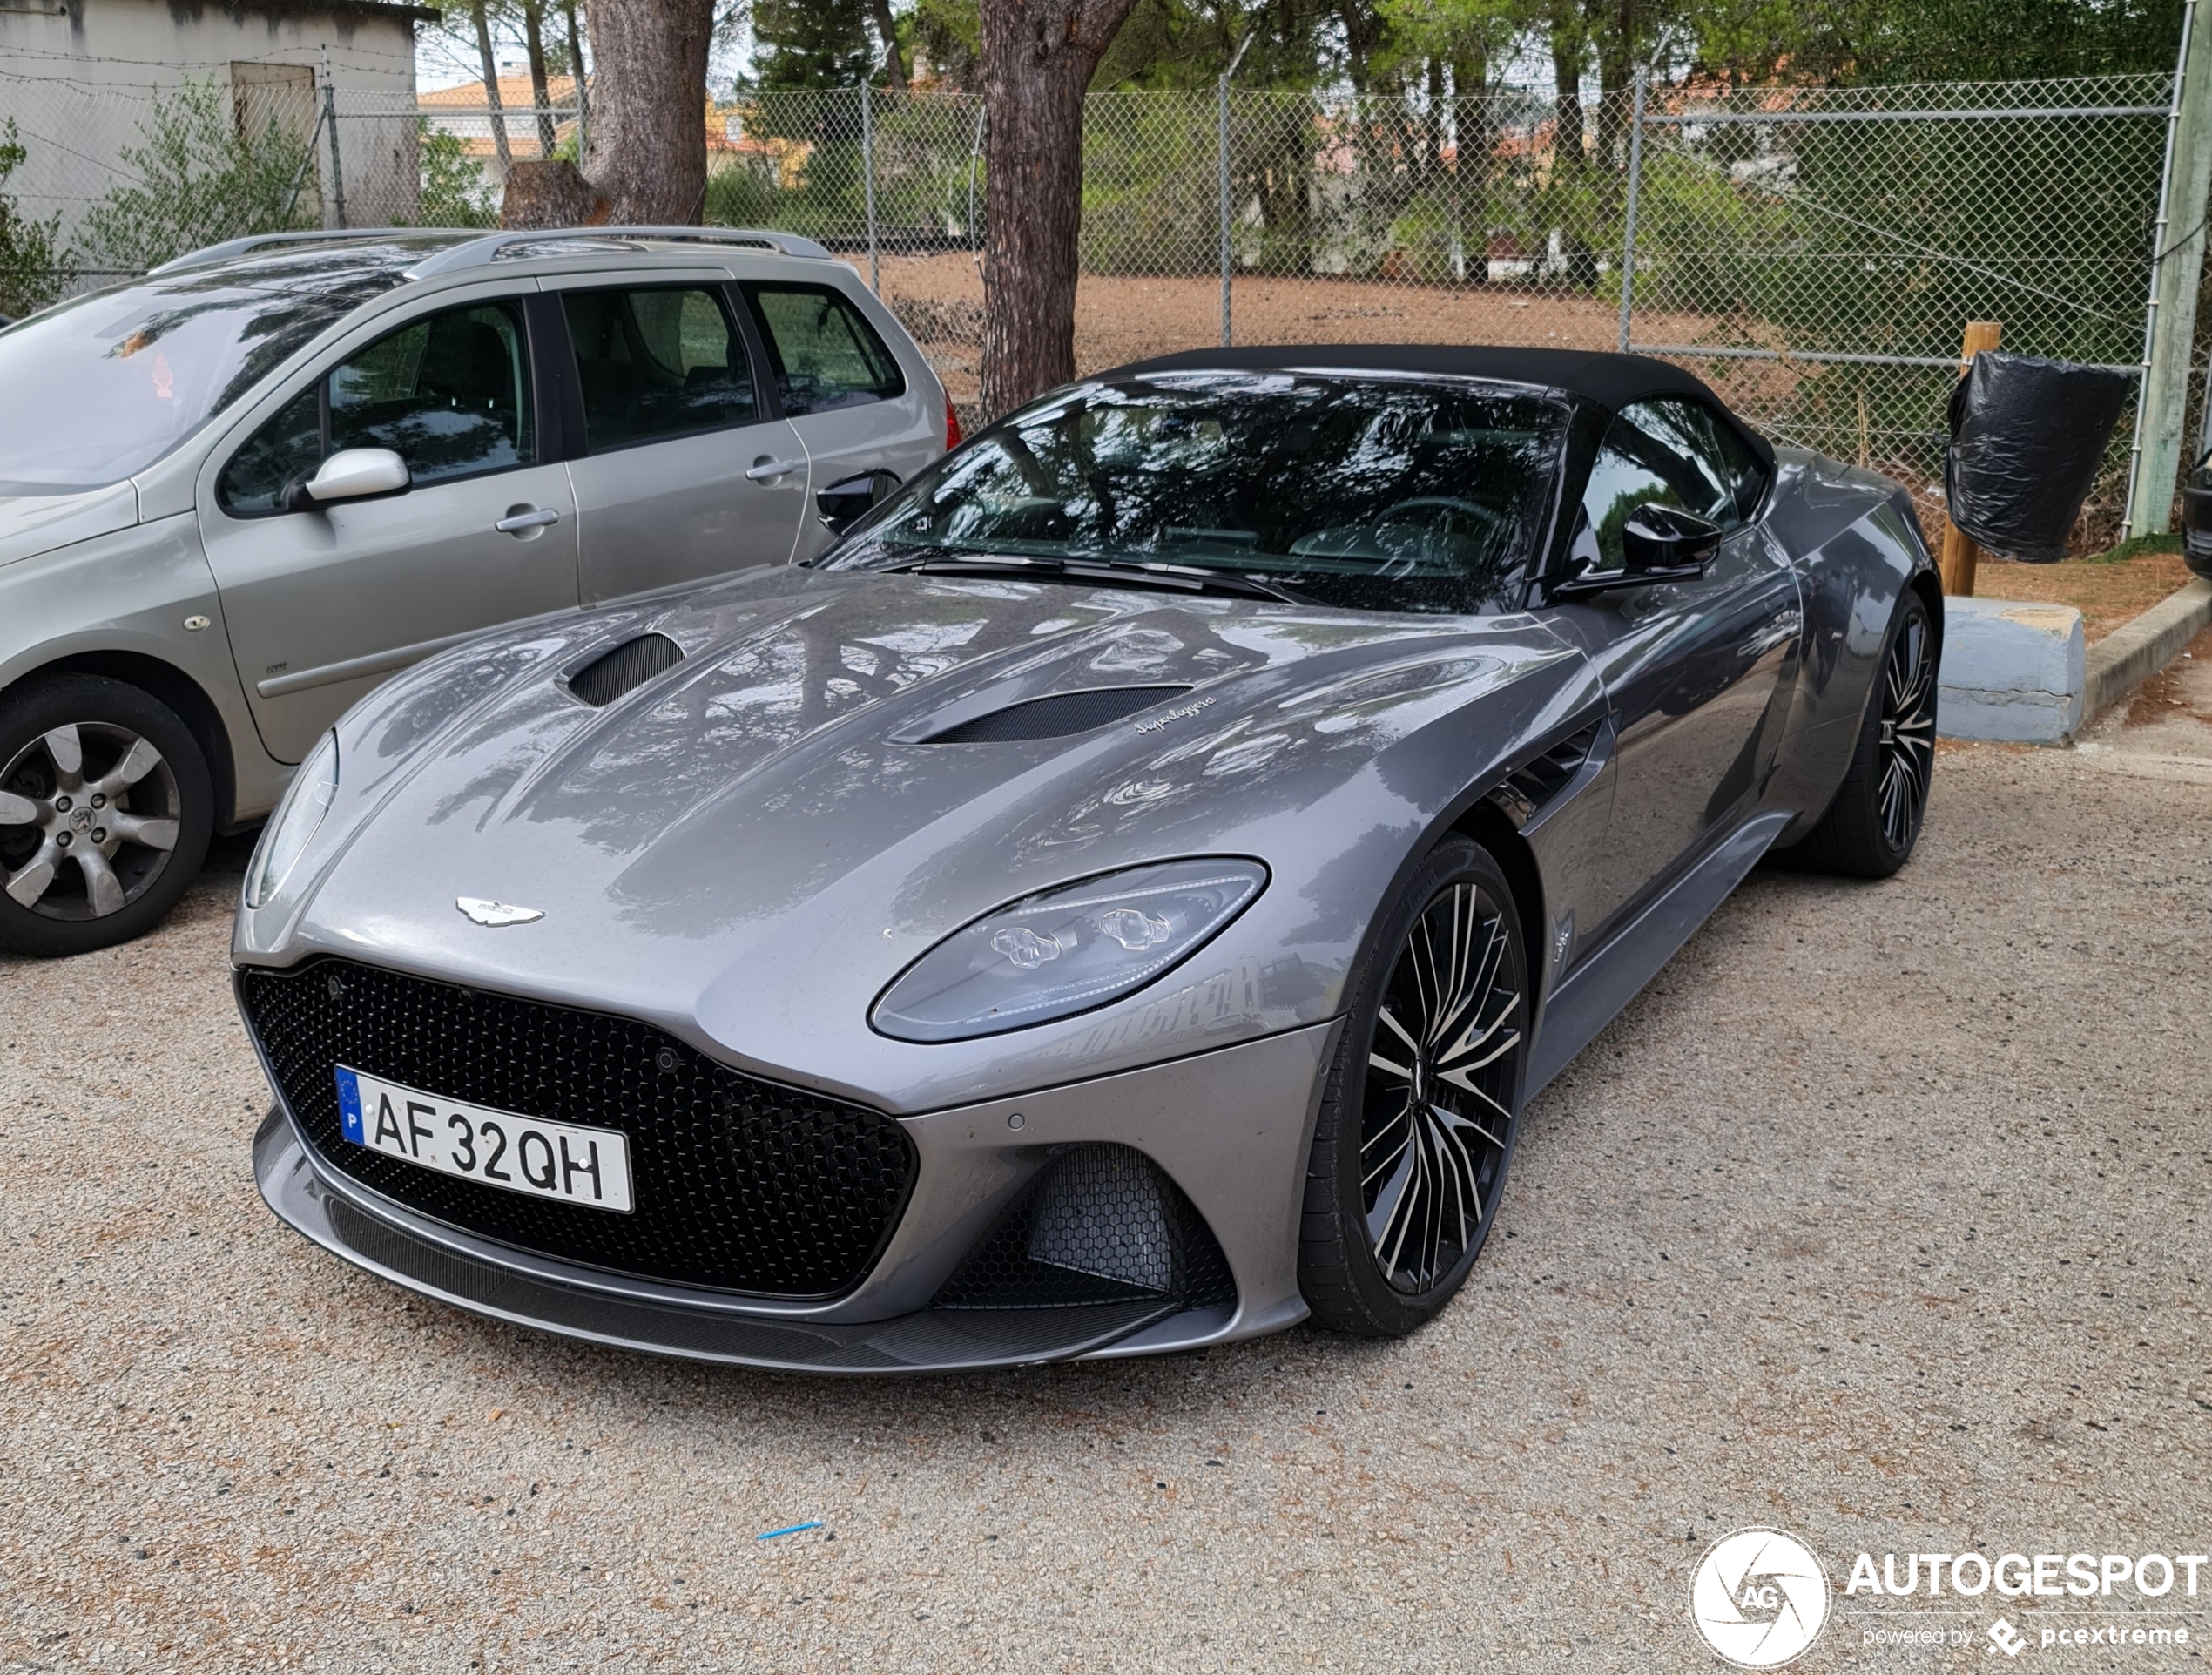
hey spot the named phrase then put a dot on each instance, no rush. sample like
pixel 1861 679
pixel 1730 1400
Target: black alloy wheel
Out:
pixel 1418 1121
pixel 1906 733
pixel 105 812
pixel 1871 828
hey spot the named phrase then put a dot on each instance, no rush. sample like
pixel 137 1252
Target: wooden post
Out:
pixel 1960 555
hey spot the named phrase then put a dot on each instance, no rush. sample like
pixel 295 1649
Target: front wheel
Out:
pixel 1418 1118
pixel 105 810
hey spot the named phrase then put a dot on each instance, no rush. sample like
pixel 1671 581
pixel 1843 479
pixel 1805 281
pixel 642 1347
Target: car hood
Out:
pixel 748 845
pixel 30 524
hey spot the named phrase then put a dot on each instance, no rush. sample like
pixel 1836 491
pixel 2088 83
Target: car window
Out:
pixel 824 354
pixel 657 363
pixel 99 388
pixel 1378 493
pixel 1671 451
pixel 288 446
pixel 449 393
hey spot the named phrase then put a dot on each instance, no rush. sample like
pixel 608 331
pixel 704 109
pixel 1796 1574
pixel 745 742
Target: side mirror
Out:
pixel 1668 538
pixel 843 504
pixel 349 474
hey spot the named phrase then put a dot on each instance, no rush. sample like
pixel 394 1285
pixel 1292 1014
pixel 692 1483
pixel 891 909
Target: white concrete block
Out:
pixel 2011 671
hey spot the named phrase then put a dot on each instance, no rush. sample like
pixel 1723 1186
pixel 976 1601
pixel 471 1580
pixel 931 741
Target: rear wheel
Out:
pixel 1869 830
pixel 1417 1122
pixel 105 810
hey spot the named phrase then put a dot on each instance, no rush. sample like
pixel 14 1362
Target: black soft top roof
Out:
pixel 1604 380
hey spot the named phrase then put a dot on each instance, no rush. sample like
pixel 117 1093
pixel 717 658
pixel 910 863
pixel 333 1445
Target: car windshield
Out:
pixel 1381 493
pixel 101 387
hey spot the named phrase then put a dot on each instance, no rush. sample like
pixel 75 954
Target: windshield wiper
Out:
pixel 1181 578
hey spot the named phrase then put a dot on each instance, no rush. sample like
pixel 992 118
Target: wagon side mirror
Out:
pixel 349 474
pixel 843 504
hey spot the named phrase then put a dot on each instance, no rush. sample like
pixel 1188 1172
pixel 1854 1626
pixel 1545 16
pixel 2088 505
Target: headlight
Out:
pixel 1066 950
pixel 308 800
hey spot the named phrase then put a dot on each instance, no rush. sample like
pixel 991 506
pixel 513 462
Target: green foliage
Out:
pixel 31 263
pixel 800 44
pixel 455 191
pixel 206 171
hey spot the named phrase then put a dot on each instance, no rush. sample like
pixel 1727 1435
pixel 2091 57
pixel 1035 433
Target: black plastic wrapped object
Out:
pixel 2026 437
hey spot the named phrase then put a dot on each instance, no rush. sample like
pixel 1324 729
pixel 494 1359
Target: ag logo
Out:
pixel 1759 1597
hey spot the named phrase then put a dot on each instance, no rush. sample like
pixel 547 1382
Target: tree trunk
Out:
pixel 576 76
pixel 534 36
pixel 491 94
pixel 648 135
pixel 1038 55
pixel 887 27
pixel 1567 88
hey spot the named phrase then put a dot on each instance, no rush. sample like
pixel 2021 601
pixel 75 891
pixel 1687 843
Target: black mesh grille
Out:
pixel 1102 1224
pixel 1055 717
pixel 739 1185
pixel 628 666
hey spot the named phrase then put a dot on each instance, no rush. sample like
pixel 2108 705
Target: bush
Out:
pixel 206 173
pixel 455 191
pixel 30 266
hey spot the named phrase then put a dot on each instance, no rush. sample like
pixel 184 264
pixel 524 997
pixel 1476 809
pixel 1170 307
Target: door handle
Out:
pixel 534 518
pixel 767 470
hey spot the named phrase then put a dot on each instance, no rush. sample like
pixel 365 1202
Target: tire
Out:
pixel 1871 828
pixel 1377 1260
pixel 95 767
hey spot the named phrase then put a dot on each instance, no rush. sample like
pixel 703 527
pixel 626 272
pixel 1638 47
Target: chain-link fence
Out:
pixel 1813 252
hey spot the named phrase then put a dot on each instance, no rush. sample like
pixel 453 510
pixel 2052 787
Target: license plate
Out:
pixel 529 1155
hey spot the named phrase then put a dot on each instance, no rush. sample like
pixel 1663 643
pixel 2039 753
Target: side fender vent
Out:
pixel 628 666
pixel 1537 782
pixel 1055 717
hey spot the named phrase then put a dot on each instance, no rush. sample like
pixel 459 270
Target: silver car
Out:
pixel 1120 900
pixel 238 494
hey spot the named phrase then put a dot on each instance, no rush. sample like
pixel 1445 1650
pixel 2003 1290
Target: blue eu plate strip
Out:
pixel 349 1105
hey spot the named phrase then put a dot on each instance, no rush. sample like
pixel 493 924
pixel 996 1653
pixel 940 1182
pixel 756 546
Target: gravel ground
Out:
pixel 1880 1218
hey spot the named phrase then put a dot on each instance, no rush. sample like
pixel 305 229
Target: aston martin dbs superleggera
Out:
pixel 1119 899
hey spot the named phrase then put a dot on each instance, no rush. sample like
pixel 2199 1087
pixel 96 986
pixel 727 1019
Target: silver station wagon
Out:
pixel 238 494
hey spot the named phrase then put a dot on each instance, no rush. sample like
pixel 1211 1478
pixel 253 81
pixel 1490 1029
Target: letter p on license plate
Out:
pixel 529 1155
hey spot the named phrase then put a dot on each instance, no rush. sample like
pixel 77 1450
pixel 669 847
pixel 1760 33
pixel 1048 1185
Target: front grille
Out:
pixel 1102 1224
pixel 739 1185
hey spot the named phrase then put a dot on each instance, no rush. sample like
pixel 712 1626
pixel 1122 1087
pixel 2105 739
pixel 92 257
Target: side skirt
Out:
pixel 1611 976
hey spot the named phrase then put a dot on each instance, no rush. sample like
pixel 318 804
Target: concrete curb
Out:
pixel 2124 659
pixel 2013 671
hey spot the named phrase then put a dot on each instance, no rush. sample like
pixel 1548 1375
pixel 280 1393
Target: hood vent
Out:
pixel 628 666
pixel 1055 717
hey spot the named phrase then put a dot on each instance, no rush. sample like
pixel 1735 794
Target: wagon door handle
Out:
pixel 532 518
pixel 767 470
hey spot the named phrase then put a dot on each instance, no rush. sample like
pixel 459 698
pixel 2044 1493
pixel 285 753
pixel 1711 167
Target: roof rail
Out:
pixel 477 252
pixel 230 248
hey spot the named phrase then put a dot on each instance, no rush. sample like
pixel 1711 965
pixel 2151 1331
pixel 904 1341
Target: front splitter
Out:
pixel 930 1340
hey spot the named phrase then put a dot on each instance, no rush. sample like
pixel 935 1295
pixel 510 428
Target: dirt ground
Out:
pixel 1880 1217
pixel 2108 595
pixel 1121 318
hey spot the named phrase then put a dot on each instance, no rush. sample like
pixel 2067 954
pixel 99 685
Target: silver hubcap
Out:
pixel 1908 734
pixel 71 845
pixel 1441 1075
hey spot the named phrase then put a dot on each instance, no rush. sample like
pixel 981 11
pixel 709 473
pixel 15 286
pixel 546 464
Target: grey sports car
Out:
pixel 1118 900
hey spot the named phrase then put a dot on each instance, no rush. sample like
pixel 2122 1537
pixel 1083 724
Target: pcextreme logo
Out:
pixel 1759 1597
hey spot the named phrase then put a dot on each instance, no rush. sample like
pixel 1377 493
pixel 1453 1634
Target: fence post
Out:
pixel 1629 221
pixel 337 174
pixel 867 176
pixel 2176 263
pixel 1960 555
pixel 1225 209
